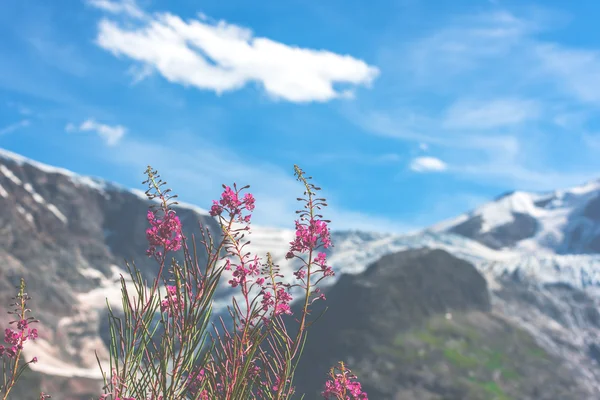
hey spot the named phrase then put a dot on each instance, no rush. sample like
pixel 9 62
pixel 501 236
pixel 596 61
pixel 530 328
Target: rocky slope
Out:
pixel 68 236
pixel 419 325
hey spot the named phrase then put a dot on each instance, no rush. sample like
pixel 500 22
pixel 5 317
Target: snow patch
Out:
pixel 588 187
pixel 10 175
pixel 50 364
pixel 3 192
pixel 501 212
pixel 54 210
pixel 108 289
pixel 36 197
pixel 40 200
pixel 23 212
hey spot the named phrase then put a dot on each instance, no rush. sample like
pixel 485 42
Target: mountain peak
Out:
pixel 561 221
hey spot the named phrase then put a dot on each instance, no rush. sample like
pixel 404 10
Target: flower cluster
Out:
pixel 243 270
pixel 172 299
pixel 230 201
pixel 195 382
pixel 307 236
pixel 343 385
pixel 165 233
pixel 15 340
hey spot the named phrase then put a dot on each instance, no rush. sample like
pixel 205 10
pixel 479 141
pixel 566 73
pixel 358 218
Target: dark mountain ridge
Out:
pixel 418 325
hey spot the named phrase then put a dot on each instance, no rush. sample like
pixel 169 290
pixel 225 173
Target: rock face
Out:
pixel 418 325
pixel 563 319
pixel 68 236
pixel 522 226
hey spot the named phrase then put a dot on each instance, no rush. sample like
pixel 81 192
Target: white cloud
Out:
pixel 473 114
pixel 111 134
pixel 13 127
pixel 128 7
pixel 224 57
pixel 427 164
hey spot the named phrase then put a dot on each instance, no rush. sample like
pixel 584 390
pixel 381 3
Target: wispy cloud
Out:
pixel 356 157
pixel 13 127
pixel 111 134
pixel 21 109
pixel 128 7
pixel 58 55
pixel 221 57
pixel 427 164
pixel 576 71
pixel 429 130
pixel 477 114
pixel 462 47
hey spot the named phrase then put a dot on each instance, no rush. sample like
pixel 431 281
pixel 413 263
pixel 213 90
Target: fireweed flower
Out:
pixel 343 385
pixel 14 340
pixel 230 202
pixel 172 303
pixel 164 233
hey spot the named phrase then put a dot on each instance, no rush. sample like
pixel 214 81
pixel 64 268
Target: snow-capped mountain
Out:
pixel 559 222
pixel 68 234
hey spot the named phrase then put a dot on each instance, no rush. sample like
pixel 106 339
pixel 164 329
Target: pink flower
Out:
pixel 178 304
pixel 164 233
pixel 342 386
pixel 230 202
pixel 308 235
pixel 249 201
pixel 300 274
pixel 195 381
pixel 216 209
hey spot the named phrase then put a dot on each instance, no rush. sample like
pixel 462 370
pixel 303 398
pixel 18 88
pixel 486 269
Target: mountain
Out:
pixel 558 222
pixel 419 324
pixel 69 235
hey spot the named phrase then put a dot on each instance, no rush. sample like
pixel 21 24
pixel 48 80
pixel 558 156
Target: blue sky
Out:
pixel 406 112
